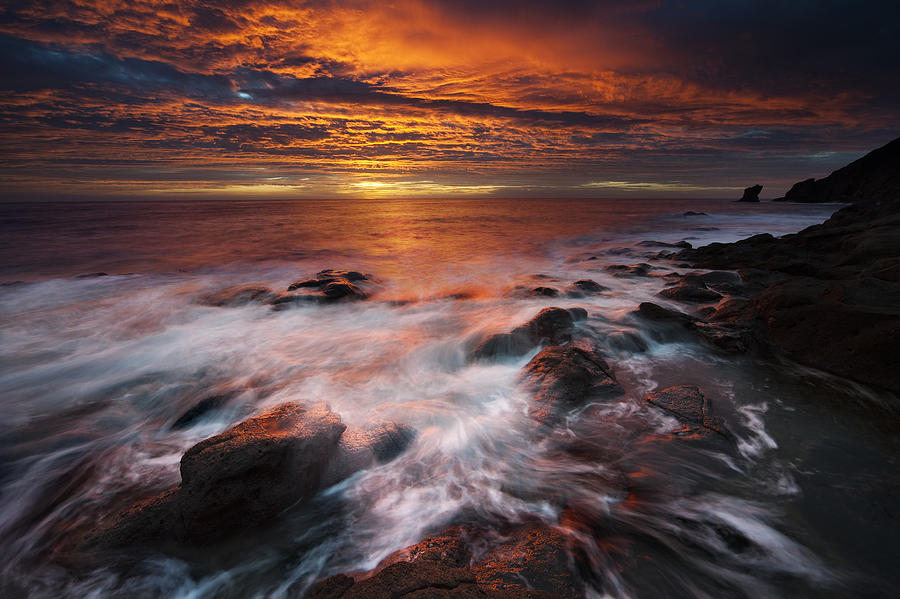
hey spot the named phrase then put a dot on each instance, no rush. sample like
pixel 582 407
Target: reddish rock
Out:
pixel 530 563
pixel 690 406
pixel 565 377
pixel 549 326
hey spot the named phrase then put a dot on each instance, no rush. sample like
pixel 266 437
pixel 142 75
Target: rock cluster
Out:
pixel 828 296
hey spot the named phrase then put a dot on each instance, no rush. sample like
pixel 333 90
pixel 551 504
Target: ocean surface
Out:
pixel 105 340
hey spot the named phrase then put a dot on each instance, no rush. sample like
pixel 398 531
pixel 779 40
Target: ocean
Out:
pixel 108 337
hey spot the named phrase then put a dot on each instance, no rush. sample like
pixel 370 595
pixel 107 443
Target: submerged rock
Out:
pixel 200 409
pixel 239 295
pixel 549 326
pixel 691 290
pixel 690 406
pixel 328 286
pixel 584 287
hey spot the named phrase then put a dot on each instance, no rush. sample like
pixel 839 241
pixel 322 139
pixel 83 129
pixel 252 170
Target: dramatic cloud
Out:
pixel 309 98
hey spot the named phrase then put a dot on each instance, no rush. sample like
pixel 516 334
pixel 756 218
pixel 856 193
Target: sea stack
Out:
pixel 751 194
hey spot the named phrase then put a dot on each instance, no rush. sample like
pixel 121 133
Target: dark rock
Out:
pixel 730 338
pixel 532 562
pixel 239 295
pixel 91 275
pixel 751 194
pixel 200 409
pixel 630 270
pixel 544 291
pixel 584 287
pixel 692 213
pixel 690 406
pixel 564 377
pixel 249 473
pixel 691 292
pixel 656 313
pixel 360 449
pixel 244 477
pixel 329 285
pixel 825 296
pixel 680 244
pixel 550 325
pixel 875 175
pixel 336 290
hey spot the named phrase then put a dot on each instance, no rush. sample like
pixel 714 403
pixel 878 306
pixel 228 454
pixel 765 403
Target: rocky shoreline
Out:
pixel 827 297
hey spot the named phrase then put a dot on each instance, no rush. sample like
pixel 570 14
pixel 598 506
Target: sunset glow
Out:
pixel 332 99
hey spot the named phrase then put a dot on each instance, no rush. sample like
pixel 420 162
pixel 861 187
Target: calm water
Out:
pixel 94 371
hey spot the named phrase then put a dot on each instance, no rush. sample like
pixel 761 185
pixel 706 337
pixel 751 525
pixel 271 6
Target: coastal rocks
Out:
pixel 551 326
pixel 563 377
pixel 672 325
pixel 244 477
pixel 827 296
pixel 691 289
pixel 663 244
pixel 875 175
pixel 532 562
pixel 239 295
pixel 629 270
pixel 584 287
pixel 254 470
pixel 690 407
pixel 328 286
pixel 693 213
pixel 751 194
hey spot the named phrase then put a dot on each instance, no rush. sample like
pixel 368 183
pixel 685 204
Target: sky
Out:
pixel 292 98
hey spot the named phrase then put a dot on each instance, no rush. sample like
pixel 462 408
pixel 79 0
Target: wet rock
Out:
pixel 544 292
pixel 824 297
pixel 329 285
pixel 751 194
pixel 656 313
pixel 693 291
pixel 692 213
pixel 362 448
pixel 239 295
pixel 584 287
pixel 690 406
pixel 249 473
pixel 532 562
pixel 244 477
pixel 664 244
pixel 626 341
pixel 91 275
pixel 729 338
pixel 550 325
pixel 200 409
pixel 630 270
pixel 564 377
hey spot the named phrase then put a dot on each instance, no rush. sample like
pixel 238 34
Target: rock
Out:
pixel 544 292
pixel 875 175
pixel 91 275
pixel 200 409
pixel 252 471
pixel 532 562
pixel 751 194
pixel 691 407
pixel 692 213
pixel 584 287
pixel 656 313
pixel 564 377
pixel 360 449
pixel 630 270
pixel 244 477
pixel 680 244
pixel 825 296
pixel 693 292
pixel 239 295
pixel 329 285
pixel 550 325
